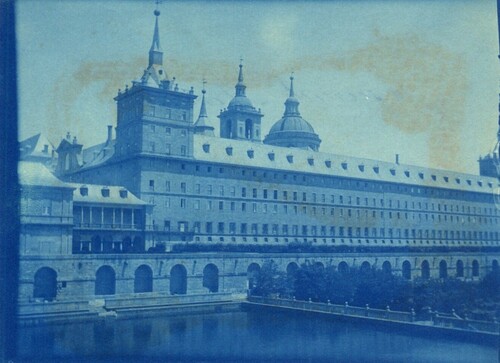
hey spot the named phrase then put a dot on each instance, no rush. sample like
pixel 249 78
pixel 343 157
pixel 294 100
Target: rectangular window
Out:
pixel 209 189
pixel 265 229
pixel 254 207
pixel 243 229
pixel 314 197
pixel 233 206
pixel 243 192
pixel 254 229
pixel 285 195
pixel 183 203
pixel 243 207
pixel 167 149
pixel 183 150
pixel 152 147
pixel 167 203
pixel 332 231
pixel 233 191
pixel 264 208
pixel 232 228
pixel 304 197
pixel 285 209
pixel 167 186
pixel 294 195
pixel 221 190
pixel 209 205
pixel 220 227
pixel 197 188
pixel 284 229
pixel 197 227
pixel 183 132
pixel 264 193
pixel 275 208
pixel 221 205
pixel 275 194
pixel 254 193
pixel 166 226
pixel 183 187
pixel 208 227
pixel 168 130
pixel 304 230
pixel 151 185
pixel 274 229
pixel 197 204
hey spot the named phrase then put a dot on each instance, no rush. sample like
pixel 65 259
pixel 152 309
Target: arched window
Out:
pixel 178 280
pixel 460 268
pixel 443 269
pixel 407 270
pixel 143 279
pixel 365 267
pixel 343 268
pixel 319 266
pixel 45 286
pixel 105 281
pixel 253 272
pixel 425 270
pixel 386 267
pixel 211 277
pixel 475 268
pixel 291 269
pixel 248 129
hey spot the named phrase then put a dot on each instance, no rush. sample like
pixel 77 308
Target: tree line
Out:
pixel 379 289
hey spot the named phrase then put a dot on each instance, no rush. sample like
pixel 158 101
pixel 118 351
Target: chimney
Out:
pixel 45 149
pixel 110 134
pixel 397 159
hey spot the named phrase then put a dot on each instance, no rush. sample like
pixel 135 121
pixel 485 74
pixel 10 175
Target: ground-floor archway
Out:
pixel 406 270
pixel 178 280
pixel 253 272
pixel 425 270
pixel 45 284
pixel 211 277
pixel 143 279
pixel 105 281
pixel 460 268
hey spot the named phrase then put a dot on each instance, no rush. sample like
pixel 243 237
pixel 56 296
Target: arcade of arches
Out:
pixel 46 286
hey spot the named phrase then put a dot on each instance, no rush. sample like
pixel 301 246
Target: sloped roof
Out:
pixel 36 174
pixel 95 195
pixel 245 153
pixel 35 146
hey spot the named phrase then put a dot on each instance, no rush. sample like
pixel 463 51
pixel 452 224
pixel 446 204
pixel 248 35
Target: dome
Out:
pixel 292 130
pixel 241 101
pixel 292 123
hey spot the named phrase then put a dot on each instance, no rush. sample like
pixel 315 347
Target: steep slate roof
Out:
pixel 35 145
pixel 95 195
pixel 36 174
pixel 251 154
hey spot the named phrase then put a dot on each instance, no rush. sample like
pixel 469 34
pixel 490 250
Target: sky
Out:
pixel 374 78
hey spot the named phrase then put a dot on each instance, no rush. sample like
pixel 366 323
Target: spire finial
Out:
pixel 155 52
pixel 291 86
pixel 203 89
pixel 240 75
pixel 157 11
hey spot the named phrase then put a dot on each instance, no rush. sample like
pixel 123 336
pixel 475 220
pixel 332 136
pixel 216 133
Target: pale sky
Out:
pixel 374 78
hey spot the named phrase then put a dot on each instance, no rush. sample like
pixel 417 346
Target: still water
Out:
pixel 256 335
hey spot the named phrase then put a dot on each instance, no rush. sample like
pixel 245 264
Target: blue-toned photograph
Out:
pixel 251 181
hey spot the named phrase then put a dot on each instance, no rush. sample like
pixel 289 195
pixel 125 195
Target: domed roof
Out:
pixel 242 101
pixel 292 123
pixel 292 130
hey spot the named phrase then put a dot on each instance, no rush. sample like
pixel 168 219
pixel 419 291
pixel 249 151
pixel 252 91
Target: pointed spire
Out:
pixel 240 86
pixel 203 109
pixel 155 52
pixel 291 103
pixel 202 126
pixel 291 86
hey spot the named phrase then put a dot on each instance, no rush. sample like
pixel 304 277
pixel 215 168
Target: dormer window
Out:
pixel 84 191
pixel 480 183
pixel 310 161
pixel 469 182
pixel 446 179
pixel 421 175
pixel 250 153
pixel 490 185
pixel 457 180
pixel 344 165
pixel 376 169
pixel 271 156
pixel 361 167
pixel 105 192
pixel 206 148
pixel 433 177
pixel 328 163
pixel 229 150
pixel 393 171
pixel 289 158
pixel 123 193
pixel 407 173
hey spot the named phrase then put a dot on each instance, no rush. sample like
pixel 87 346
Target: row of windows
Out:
pixel 167 150
pixel 285 195
pixel 332 181
pixel 331 231
pixel 287 209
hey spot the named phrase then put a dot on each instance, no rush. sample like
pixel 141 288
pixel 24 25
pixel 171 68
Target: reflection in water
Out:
pixel 257 335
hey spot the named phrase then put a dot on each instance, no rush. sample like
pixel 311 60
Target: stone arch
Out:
pixel 343 268
pixel 407 270
pixel 386 267
pixel 178 280
pixel 248 129
pixel 211 277
pixel 365 267
pixel 45 285
pixel 460 268
pixel 143 279
pixel 425 270
pixel 443 269
pixel 105 281
pixel 494 265
pixel 475 268
pixel 319 265
pixel 253 272
pixel 291 269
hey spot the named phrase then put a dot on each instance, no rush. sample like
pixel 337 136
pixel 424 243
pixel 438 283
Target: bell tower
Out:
pixel 240 120
pixel 154 116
